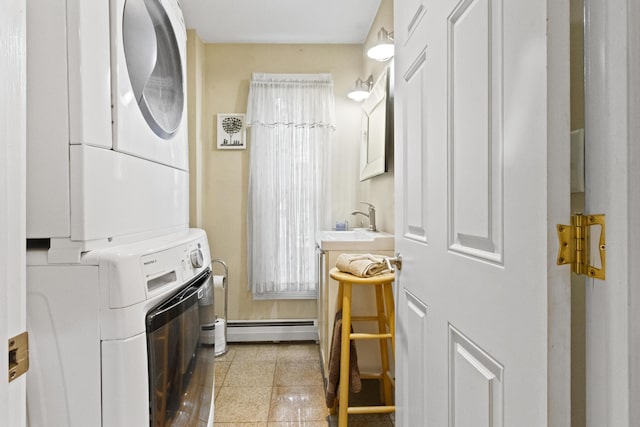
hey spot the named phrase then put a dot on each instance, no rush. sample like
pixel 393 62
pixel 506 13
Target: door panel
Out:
pixel 408 17
pixel 416 156
pixel 475 122
pixel 482 128
pixel 414 313
pixel 476 383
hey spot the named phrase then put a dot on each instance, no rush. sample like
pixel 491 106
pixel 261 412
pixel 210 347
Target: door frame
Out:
pixel 612 138
pixel 634 210
pixel 13 200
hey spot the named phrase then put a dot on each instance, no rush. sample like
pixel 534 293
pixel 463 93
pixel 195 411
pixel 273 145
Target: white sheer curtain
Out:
pixel 292 118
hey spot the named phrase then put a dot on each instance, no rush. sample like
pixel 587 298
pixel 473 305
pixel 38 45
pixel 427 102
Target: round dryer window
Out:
pixel 154 64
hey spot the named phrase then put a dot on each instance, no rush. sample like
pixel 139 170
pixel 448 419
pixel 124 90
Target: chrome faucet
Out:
pixel 371 215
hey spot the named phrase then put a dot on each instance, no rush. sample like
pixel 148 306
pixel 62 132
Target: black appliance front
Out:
pixel 181 368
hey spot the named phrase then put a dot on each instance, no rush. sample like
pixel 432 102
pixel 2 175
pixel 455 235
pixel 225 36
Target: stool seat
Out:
pixel 386 331
pixel 341 276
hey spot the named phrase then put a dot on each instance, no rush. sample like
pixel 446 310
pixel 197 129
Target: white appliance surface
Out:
pixel 149 64
pixel 86 321
pixel 86 121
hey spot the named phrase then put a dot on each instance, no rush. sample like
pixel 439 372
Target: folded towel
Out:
pixel 362 265
pixel 333 380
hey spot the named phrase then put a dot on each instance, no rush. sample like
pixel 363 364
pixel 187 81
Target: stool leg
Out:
pixel 334 408
pixel 345 355
pixel 391 313
pixel 384 348
pixel 339 296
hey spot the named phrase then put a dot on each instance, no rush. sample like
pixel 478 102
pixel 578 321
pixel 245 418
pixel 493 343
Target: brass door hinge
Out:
pixel 575 245
pixel 18 355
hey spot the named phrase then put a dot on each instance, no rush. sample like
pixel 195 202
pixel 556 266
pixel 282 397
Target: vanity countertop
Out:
pixel 358 239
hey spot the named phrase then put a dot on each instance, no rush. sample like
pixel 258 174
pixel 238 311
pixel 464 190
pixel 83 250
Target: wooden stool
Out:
pixel 385 318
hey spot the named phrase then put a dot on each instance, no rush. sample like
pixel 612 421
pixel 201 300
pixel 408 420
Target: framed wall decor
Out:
pixel 231 131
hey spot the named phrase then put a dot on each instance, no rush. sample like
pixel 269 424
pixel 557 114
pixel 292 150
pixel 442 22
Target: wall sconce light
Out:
pixel 383 49
pixel 361 90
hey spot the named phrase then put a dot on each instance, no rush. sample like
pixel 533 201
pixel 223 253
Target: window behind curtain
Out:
pixel 292 121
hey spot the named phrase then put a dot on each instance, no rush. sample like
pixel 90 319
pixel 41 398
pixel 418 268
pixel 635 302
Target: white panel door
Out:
pixel 482 179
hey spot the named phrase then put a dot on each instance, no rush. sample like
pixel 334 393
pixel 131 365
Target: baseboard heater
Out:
pixel 272 330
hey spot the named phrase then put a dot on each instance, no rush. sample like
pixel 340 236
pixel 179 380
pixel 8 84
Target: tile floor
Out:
pixel 276 385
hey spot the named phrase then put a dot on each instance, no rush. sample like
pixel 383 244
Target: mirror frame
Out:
pixel 381 137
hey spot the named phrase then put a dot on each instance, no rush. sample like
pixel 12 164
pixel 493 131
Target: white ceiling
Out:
pixel 280 21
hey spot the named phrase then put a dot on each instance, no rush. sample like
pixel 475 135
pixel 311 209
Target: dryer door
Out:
pixel 149 43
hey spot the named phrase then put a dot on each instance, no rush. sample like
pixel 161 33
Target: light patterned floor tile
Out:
pixel 264 352
pixel 250 373
pixel 298 403
pixel 276 385
pixel 243 404
pixel 220 372
pixel 298 352
pixel 306 372
pixel 228 356
pixel 240 425
pixel 298 424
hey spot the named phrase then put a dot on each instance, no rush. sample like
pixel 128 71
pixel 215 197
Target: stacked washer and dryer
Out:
pixel 115 278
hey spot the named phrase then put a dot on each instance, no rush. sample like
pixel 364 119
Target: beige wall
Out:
pixel 195 99
pixel 226 70
pixel 219 76
pixel 379 190
pixel 576 26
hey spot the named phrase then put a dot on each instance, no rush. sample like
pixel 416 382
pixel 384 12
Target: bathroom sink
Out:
pixel 359 239
pixel 347 235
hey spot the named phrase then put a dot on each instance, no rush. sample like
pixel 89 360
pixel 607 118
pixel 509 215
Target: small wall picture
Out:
pixel 231 132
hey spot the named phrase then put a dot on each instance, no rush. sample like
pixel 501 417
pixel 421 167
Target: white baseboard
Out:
pixel 272 330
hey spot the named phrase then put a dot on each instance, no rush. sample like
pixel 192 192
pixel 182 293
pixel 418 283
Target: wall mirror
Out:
pixel 377 128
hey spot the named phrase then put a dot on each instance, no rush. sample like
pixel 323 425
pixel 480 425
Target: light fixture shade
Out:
pixel 358 95
pixel 361 90
pixel 383 50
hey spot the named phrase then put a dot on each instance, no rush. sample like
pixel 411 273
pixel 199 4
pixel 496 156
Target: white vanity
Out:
pixel 330 245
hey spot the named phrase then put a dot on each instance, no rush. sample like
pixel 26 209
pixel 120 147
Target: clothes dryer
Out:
pixel 149 96
pixel 107 150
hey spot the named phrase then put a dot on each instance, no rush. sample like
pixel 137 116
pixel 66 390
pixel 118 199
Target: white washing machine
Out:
pixel 114 340
pixel 107 149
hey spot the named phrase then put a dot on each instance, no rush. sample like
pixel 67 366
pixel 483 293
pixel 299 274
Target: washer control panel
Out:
pixel 179 263
pixel 144 269
pixel 197 258
pixel 192 259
